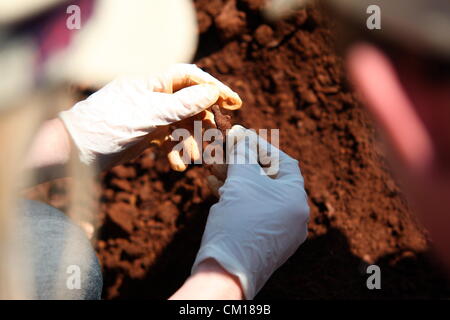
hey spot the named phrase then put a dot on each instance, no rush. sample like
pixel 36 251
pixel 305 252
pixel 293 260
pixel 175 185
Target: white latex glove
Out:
pixel 259 222
pixel 107 124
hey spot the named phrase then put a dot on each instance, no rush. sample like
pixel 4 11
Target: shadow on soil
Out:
pixel 322 268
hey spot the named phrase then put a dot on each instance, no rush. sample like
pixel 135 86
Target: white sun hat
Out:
pixel 129 37
pixel 115 38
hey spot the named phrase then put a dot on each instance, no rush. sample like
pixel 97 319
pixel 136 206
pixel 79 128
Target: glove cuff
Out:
pixel 85 156
pixel 230 264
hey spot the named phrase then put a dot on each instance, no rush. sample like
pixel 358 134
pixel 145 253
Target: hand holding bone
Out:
pixel 259 221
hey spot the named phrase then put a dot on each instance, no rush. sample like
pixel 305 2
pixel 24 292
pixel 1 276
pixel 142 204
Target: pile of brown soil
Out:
pixel 288 77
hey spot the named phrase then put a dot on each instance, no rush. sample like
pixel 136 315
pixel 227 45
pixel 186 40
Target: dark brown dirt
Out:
pixel 152 218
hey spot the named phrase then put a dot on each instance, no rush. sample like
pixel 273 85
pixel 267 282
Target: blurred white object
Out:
pixel 16 10
pixel 128 37
pixel 259 222
pixel 16 60
pixel 278 9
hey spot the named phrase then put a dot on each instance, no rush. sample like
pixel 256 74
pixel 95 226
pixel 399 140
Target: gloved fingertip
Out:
pixel 238 128
pixel 211 90
pixel 237 131
pixel 175 161
pixel 192 148
pixel 198 97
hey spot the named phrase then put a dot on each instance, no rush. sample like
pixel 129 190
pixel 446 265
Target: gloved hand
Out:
pixel 259 222
pixel 120 120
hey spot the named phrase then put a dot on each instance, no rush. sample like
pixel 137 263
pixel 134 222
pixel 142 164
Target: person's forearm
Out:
pixel 49 151
pixel 210 282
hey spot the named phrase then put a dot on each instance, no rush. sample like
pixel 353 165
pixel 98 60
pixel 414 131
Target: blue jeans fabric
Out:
pixel 63 262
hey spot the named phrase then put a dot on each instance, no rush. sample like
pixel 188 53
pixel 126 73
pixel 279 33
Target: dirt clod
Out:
pixel 222 121
pixel 230 22
pixel 264 35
